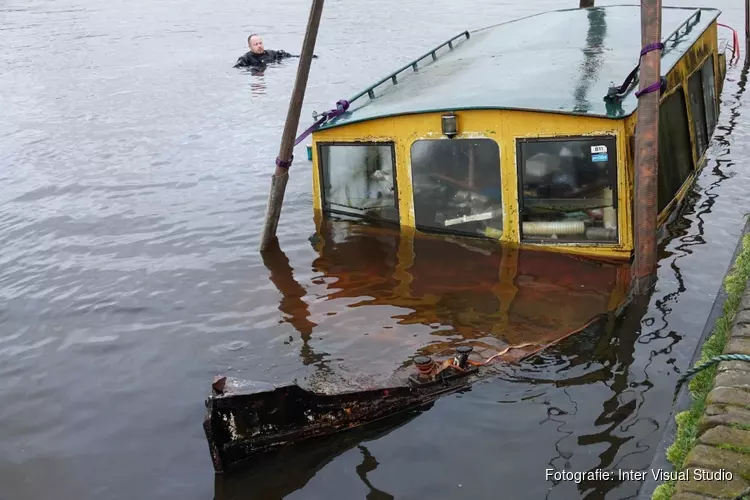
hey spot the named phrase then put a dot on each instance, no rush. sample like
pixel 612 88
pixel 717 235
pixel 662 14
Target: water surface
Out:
pixel 135 172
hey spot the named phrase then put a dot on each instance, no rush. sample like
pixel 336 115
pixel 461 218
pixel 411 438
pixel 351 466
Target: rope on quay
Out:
pixel 708 364
pixel 743 495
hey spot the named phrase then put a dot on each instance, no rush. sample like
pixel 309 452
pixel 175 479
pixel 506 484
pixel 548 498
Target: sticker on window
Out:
pixel 598 149
pixel 599 157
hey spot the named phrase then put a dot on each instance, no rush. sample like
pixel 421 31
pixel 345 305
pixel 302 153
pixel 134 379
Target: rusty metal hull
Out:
pixel 243 422
pixel 241 425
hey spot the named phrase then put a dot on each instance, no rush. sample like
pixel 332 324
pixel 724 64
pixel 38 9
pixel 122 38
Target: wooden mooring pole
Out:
pixel 585 3
pixel 647 148
pixel 284 160
pixel 747 29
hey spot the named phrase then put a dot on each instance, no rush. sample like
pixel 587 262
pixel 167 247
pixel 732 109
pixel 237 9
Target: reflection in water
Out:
pixel 681 228
pixel 282 276
pixel 592 58
pixel 369 464
pixel 454 291
pixel 465 291
pixel 258 83
pixel 621 408
pixel 278 475
pixel 292 303
pixel 601 356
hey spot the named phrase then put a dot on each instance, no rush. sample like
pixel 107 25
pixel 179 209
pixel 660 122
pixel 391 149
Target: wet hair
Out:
pixel 250 38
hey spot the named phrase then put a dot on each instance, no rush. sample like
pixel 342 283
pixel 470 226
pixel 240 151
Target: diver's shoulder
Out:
pixel 246 59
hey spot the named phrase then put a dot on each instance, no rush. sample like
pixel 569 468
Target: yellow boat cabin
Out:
pixel 523 132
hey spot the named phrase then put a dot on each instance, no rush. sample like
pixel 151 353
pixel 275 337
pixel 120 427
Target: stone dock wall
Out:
pixel 718 465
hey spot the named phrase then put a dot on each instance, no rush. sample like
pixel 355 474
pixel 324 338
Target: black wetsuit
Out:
pixel 259 60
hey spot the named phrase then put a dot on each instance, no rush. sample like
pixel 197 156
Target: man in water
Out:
pixel 258 55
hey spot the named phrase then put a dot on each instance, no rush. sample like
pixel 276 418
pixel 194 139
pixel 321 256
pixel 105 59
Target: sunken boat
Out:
pixel 508 151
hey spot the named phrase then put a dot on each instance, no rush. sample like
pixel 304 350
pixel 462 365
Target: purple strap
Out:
pixel 651 88
pixel 629 79
pixel 654 86
pixel 341 107
pixel 284 164
pixel 310 130
pixel 661 86
pixel 652 46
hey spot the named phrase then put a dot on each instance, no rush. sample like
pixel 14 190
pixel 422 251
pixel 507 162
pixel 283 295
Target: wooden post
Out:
pixel 647 151
pixel 747 29
pixel 281 174
pixel 585 4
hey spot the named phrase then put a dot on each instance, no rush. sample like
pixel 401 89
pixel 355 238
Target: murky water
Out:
pixel 134 165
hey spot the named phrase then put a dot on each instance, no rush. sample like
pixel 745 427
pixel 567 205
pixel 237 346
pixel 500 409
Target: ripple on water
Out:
pixel 235 345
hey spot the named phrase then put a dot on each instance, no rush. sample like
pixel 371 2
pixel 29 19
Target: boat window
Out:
pixel 568 189
pixel 698 110
pixel 709 95
pixel 675 158
pixel 457 186
pixel 358 179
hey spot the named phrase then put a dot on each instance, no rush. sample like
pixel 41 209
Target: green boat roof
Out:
pixel 562 61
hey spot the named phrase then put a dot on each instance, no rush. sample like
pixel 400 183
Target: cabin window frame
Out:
pixel 617 173
pixel 697 112
pixel 710 62
pixel 680 88
pixel 697 73
pixel 322 176
pixel 452 232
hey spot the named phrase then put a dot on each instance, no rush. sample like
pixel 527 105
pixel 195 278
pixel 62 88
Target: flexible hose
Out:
pixel 498 354
pixel 528 344
pixel 708 364
pixel 735 42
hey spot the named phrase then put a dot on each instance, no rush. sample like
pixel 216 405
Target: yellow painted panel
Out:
pixel 505 127
pixel 317 190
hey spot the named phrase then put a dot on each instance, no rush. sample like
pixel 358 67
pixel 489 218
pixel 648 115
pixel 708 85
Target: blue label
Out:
pixel 599 157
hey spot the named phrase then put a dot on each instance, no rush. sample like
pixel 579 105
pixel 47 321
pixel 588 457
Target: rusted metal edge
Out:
pixel 241 426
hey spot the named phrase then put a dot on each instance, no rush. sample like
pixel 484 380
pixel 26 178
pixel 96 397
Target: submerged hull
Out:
pixel 415 298
pixel 244 422
pixel 241 425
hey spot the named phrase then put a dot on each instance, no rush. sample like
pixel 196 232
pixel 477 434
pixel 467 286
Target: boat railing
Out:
pixel 675 37
pixel 414 65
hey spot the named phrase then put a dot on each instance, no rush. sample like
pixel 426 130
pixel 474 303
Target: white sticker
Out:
pixel 598 149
